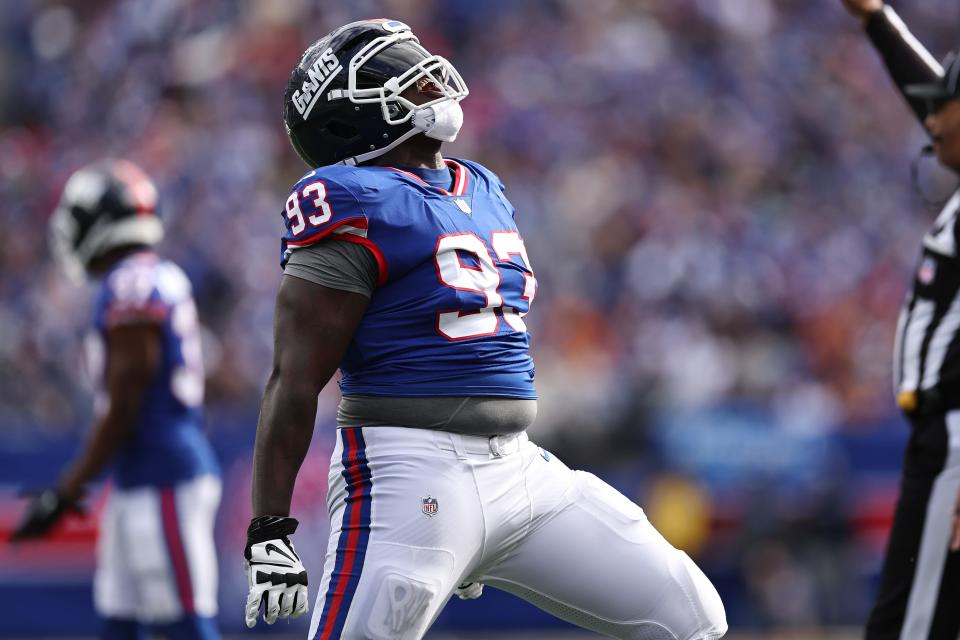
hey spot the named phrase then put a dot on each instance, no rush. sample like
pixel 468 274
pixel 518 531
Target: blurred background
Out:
pixel 715 196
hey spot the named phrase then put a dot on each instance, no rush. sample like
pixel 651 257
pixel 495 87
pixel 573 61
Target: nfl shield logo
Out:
pixel 429 506
pixel 927 271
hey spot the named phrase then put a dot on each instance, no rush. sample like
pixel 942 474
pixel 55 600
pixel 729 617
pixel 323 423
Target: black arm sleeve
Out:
pixel 906 59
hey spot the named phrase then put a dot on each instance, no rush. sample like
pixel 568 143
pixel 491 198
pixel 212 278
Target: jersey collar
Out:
pixel 460 178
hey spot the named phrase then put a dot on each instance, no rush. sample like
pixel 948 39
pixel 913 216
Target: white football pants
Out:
pixel 414 513
pixel 156 558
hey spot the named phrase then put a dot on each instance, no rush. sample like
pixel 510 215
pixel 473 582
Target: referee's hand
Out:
pixel 863 8
pixel 955 534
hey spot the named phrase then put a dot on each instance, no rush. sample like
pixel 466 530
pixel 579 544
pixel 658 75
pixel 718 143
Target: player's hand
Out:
pixel 863 8
pixel 45 510
pixel 275 574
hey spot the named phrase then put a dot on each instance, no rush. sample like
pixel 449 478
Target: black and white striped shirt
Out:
pixel 927 349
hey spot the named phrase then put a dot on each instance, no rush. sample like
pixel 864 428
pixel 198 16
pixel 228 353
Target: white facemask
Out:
pixel 442 121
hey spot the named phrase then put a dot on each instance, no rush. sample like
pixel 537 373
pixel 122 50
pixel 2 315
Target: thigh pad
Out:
pixel 402 607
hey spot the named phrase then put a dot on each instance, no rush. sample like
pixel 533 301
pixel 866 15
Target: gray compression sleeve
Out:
pixel 473 415
pixel 335 264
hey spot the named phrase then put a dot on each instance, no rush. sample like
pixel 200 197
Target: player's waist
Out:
pixel 937 400
pixel 150 459
pixel 462 381
pixel 389 442
pixel 475 415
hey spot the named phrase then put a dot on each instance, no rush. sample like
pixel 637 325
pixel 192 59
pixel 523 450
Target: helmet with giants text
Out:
pixel 344 102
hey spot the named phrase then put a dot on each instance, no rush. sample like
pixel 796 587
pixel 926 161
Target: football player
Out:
pixel 406 271
pixel 156 560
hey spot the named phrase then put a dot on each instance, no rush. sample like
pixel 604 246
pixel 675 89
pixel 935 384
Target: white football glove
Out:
pixel 274 568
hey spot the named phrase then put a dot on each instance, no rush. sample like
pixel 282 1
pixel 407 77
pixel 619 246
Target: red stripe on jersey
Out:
pixel 419 179
pixel 150 313
pixel 460 177
pixel 373 248
pixel 359 223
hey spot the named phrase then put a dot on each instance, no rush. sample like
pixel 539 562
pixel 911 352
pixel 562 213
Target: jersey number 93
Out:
pixel 485 278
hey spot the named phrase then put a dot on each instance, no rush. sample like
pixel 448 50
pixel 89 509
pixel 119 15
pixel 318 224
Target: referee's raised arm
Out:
pixel 905 57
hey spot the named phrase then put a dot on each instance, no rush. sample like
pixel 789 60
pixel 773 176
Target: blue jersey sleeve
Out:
pixel 131 295
pixel 323 205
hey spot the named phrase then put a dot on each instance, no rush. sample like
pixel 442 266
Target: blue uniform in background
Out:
pixel 156 558
pixel 167 445
pixel 454 279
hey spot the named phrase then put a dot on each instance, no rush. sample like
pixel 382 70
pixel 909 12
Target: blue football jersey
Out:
pixel 454 280
pixel 167 444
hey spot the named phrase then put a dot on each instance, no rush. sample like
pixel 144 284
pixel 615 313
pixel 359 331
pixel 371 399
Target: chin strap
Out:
pixel 376 153
pixel 440 121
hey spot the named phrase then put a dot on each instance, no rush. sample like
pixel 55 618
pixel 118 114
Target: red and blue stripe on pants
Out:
pixel 354 535
pixel 175 546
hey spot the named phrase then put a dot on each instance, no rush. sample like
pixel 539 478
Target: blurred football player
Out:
pixel 921 572
pixel 406 271
pixel 156 561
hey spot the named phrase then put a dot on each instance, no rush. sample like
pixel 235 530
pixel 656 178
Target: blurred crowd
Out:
pixel 715 195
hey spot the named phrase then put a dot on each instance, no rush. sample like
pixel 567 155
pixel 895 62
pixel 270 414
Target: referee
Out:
pixel 919 594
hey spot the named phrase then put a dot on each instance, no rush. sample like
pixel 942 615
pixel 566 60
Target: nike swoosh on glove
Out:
pixel 275 574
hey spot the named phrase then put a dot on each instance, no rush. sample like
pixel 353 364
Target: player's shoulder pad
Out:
pixel 142 288
pixel 484 174
pixel 491 182
pixel 324 202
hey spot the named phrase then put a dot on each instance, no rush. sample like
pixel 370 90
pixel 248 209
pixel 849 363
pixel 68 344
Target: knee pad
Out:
pixel 400 590
pixel 400 608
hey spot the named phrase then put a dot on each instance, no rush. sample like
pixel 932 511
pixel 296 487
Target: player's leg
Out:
pixel 405 527
pixel 920 584
pixel 174 564
pixel 592 558
pixel 114 590
pixel 189 511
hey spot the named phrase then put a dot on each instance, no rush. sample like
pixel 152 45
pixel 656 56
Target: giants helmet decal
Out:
pixel 105 205
pixel 343 102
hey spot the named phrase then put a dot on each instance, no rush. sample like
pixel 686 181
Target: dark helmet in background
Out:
pixel 105 205
pixel 343 102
